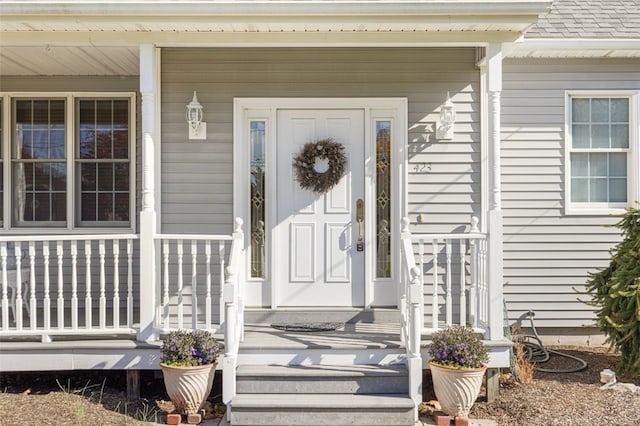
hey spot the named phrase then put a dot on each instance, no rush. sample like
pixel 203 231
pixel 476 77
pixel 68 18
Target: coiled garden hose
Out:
pixel 536 352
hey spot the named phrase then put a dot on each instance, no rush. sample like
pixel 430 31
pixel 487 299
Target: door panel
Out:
pixel 315 261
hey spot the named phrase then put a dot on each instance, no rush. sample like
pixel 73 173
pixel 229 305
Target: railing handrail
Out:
pixel 455 236
pixel 198 237
pixel 68 237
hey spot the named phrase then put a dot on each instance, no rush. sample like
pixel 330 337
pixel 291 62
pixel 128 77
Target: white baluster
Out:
pixel 33 317
pixel 74 284
pixel 449 297
pixel 130 283
pixel 434 307
pixel 19 301
pixel 221 253
pixel 473 289
pixel 47 285
pixel 102 300
pixel 60 300
pixel 165 276
pixel 194 287
pixel 207 300
pixel 87 297
pixel 180 283
pixel 116 283
pixel 463 284
pixel 5 294
pixel 483 309
pixel 421 276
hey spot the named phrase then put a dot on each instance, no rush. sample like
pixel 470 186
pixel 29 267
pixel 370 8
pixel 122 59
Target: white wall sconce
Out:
pixel 444 127
pixel 197 128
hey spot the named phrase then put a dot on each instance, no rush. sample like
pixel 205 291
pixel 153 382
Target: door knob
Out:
pixel 360 221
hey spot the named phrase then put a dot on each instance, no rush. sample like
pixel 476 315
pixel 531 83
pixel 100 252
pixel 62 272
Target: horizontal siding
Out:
pixel 547 255
pixel 197 176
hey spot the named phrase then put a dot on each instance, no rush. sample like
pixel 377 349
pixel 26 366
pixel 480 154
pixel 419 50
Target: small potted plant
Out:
pixel 188 362
pixel 458 362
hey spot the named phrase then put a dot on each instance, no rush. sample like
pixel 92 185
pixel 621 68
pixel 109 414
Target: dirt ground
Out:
pixel 99 398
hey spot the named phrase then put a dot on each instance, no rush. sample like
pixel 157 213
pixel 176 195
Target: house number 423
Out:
pixel 422 167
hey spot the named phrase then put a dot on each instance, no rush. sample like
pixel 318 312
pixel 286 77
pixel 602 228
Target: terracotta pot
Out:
pixel 456 388
pixel 188 387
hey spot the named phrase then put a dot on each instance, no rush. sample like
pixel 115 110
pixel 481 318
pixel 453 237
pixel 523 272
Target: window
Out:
pixel 71 160
pixel 601 152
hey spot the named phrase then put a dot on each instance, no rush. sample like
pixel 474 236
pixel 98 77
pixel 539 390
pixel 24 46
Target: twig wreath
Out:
pixel 304 165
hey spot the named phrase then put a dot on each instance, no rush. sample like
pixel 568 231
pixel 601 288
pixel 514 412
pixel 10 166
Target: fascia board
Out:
pixel 23 9
pixel 596 47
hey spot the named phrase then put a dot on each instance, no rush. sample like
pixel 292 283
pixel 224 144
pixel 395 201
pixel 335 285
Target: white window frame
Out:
pixel 72 223
pixel 633 159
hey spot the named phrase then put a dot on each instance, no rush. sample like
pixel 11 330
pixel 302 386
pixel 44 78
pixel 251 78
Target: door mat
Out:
pixel 308 327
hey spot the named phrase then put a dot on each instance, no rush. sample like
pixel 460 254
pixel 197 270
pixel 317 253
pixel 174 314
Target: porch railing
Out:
pixel 68 284
pixel 443 283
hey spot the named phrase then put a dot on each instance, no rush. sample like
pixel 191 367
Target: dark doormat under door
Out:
pixel 308 327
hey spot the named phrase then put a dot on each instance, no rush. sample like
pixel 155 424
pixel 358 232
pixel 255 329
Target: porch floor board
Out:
pixel 352 336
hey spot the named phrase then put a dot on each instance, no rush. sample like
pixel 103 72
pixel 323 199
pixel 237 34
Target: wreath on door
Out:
pixel 305 163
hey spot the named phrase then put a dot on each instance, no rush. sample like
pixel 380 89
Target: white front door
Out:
pixel 315 261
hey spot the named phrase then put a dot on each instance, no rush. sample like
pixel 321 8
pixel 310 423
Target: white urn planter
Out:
pixel 456 388
pixel 188 387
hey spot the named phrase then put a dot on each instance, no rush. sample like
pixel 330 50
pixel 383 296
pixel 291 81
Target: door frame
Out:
pixel 378 292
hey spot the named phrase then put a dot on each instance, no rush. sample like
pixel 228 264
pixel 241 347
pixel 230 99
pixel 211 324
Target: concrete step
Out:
pixel 322 409
pixel 322 379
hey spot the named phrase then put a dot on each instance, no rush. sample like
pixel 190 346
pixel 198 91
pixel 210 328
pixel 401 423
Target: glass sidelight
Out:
pixel 383 199
pixel 257 200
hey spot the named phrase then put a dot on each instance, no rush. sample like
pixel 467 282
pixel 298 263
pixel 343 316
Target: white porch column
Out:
pixel 148 85
pixel 495 261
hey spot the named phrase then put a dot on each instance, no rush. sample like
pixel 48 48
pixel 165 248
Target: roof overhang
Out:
pixel 142 20
pixel 42 37
pixel 573 48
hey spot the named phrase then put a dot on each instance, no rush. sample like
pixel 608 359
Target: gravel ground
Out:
pixel 98 398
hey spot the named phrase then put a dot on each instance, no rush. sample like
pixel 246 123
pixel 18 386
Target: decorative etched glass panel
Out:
pixel 39 171
pixel 383 199
pixel 257 200
pixel 1 166
pixel 102 159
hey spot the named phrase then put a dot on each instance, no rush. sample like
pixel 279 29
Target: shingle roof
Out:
pixel 603 19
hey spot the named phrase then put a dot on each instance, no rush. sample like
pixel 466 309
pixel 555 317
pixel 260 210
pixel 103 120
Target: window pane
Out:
pixel 104 113
pixel 580 165
pixel 600 110
pixel 87 114
pixel 383 199
pixel 88 177
pixel 598 165
pixel 600 136
pixel 104 143
pixel 121 114
pixel 257 200
pixel 105 207
pixel 122 177
pixel 121 144
pixel 580 136
pixel 620 136
pixel 121 204
pixel 579 190
pixel 88 208
pixel 580 110
pixel 618 190
pixel 620 110
pixel 618 164
pixel 598 190
pixel 87 144
pixel 105 177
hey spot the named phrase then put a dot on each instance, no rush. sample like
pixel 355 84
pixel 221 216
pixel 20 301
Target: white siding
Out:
pixel 546 253
pixel 197 175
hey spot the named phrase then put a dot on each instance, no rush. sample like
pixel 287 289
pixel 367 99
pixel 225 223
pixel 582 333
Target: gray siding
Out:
pixel 197 175
pixel 548 254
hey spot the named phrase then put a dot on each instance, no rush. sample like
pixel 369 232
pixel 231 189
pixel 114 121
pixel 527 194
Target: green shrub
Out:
pixel 616 292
